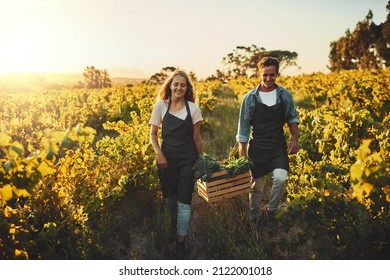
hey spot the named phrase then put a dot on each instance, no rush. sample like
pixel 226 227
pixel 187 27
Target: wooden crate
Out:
pixel 221 188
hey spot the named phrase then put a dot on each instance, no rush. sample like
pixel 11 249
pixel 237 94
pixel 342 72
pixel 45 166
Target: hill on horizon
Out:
pixel 27 82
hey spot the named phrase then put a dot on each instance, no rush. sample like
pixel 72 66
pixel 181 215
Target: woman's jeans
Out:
pixel 181 212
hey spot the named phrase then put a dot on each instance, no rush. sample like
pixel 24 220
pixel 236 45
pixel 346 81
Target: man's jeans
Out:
pixel 278 186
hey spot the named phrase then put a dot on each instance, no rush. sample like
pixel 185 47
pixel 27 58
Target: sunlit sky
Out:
pixel 142 37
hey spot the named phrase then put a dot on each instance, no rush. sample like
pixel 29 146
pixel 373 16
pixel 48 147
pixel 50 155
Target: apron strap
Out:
pixel 187 107
pixel 188 110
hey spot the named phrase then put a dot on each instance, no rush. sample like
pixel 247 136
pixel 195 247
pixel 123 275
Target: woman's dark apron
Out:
pixel 268 147
pixel 180 151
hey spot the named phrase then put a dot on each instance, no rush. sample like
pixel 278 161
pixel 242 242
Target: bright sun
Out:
pixel 22 46
pixel 16 58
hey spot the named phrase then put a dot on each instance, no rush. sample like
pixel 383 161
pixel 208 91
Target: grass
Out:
pixel 219 139
pixel 223 230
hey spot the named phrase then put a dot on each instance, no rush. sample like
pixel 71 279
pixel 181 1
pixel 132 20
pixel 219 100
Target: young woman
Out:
pixel 179 118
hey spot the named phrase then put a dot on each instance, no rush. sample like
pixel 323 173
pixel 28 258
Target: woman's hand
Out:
pixel 162 161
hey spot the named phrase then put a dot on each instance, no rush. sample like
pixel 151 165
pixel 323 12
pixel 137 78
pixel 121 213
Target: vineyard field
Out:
pixel 78 176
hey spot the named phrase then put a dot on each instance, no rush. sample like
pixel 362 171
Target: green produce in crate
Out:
pixel 237 166
pixel 205 166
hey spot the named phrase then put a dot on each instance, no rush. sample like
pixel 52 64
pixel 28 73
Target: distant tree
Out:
pixel 95 78
pixel 192 76
pixel 367 47
pixel 340 55
pixel 161 76
pixel 219 75
pixel 383 43
pixel 243 60
pixel 105 79
pixel 164 73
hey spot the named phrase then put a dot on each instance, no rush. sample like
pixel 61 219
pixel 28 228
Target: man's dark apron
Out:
pixel 179 149
pixel 268 147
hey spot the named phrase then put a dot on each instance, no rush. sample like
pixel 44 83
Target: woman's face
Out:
pixel 178 86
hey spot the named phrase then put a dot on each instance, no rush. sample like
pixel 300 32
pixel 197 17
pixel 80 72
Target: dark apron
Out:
pixel 268 147
pixel 177 139
pixel 180 151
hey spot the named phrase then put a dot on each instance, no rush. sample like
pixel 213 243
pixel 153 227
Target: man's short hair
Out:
pixel 268 61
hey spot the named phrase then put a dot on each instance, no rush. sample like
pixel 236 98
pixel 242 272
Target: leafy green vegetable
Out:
pixel 205 166
pixel 237 166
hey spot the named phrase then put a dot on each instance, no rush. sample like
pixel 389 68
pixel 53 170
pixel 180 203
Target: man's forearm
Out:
pixel 294 131
pixel 242 149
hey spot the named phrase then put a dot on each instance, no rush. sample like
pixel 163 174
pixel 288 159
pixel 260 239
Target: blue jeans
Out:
pixel 256 194
pixel 181 212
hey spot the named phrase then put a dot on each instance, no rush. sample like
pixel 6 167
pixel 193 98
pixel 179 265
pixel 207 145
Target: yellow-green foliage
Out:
pixel 70 159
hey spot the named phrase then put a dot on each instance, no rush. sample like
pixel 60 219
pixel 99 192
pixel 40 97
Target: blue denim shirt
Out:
pixel 248 107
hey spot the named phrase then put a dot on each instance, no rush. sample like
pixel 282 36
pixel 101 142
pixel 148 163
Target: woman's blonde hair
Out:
pixel 165 91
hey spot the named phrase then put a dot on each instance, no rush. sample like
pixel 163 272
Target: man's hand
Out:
pixel 293 147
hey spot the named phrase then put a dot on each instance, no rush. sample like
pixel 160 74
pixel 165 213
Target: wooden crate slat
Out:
pixel 224 188
pixel 219 173
pixel 223 180
pixel 225 196
pixel 201 184
pixel 229 190
pixel 242 175
pixel 203 194
pixel 228 184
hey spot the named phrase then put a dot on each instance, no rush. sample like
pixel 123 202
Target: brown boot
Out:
pixel 180 249
pixel 270 218
pixel 263 216
pixel 173 228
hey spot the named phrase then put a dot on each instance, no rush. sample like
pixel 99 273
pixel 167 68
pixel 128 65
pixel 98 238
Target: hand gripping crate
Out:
pixel 221 187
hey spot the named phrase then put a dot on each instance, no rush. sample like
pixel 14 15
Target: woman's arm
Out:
pixel 198 138
pixel 161 160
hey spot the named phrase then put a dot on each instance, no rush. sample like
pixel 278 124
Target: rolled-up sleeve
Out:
pixel 155 118
pixel 244 126
pixel 196 113
pixel 291 112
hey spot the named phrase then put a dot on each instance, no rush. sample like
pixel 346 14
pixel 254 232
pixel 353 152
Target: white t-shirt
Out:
pixel 268 98
pixel 160 109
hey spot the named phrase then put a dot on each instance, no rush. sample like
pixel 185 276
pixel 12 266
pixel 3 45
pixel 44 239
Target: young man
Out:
pixel 266 109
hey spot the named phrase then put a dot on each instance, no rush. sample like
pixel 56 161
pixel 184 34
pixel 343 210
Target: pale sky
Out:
pixel 65 36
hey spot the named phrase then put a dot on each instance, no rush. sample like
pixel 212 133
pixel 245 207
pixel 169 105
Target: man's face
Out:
pixel 268 76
